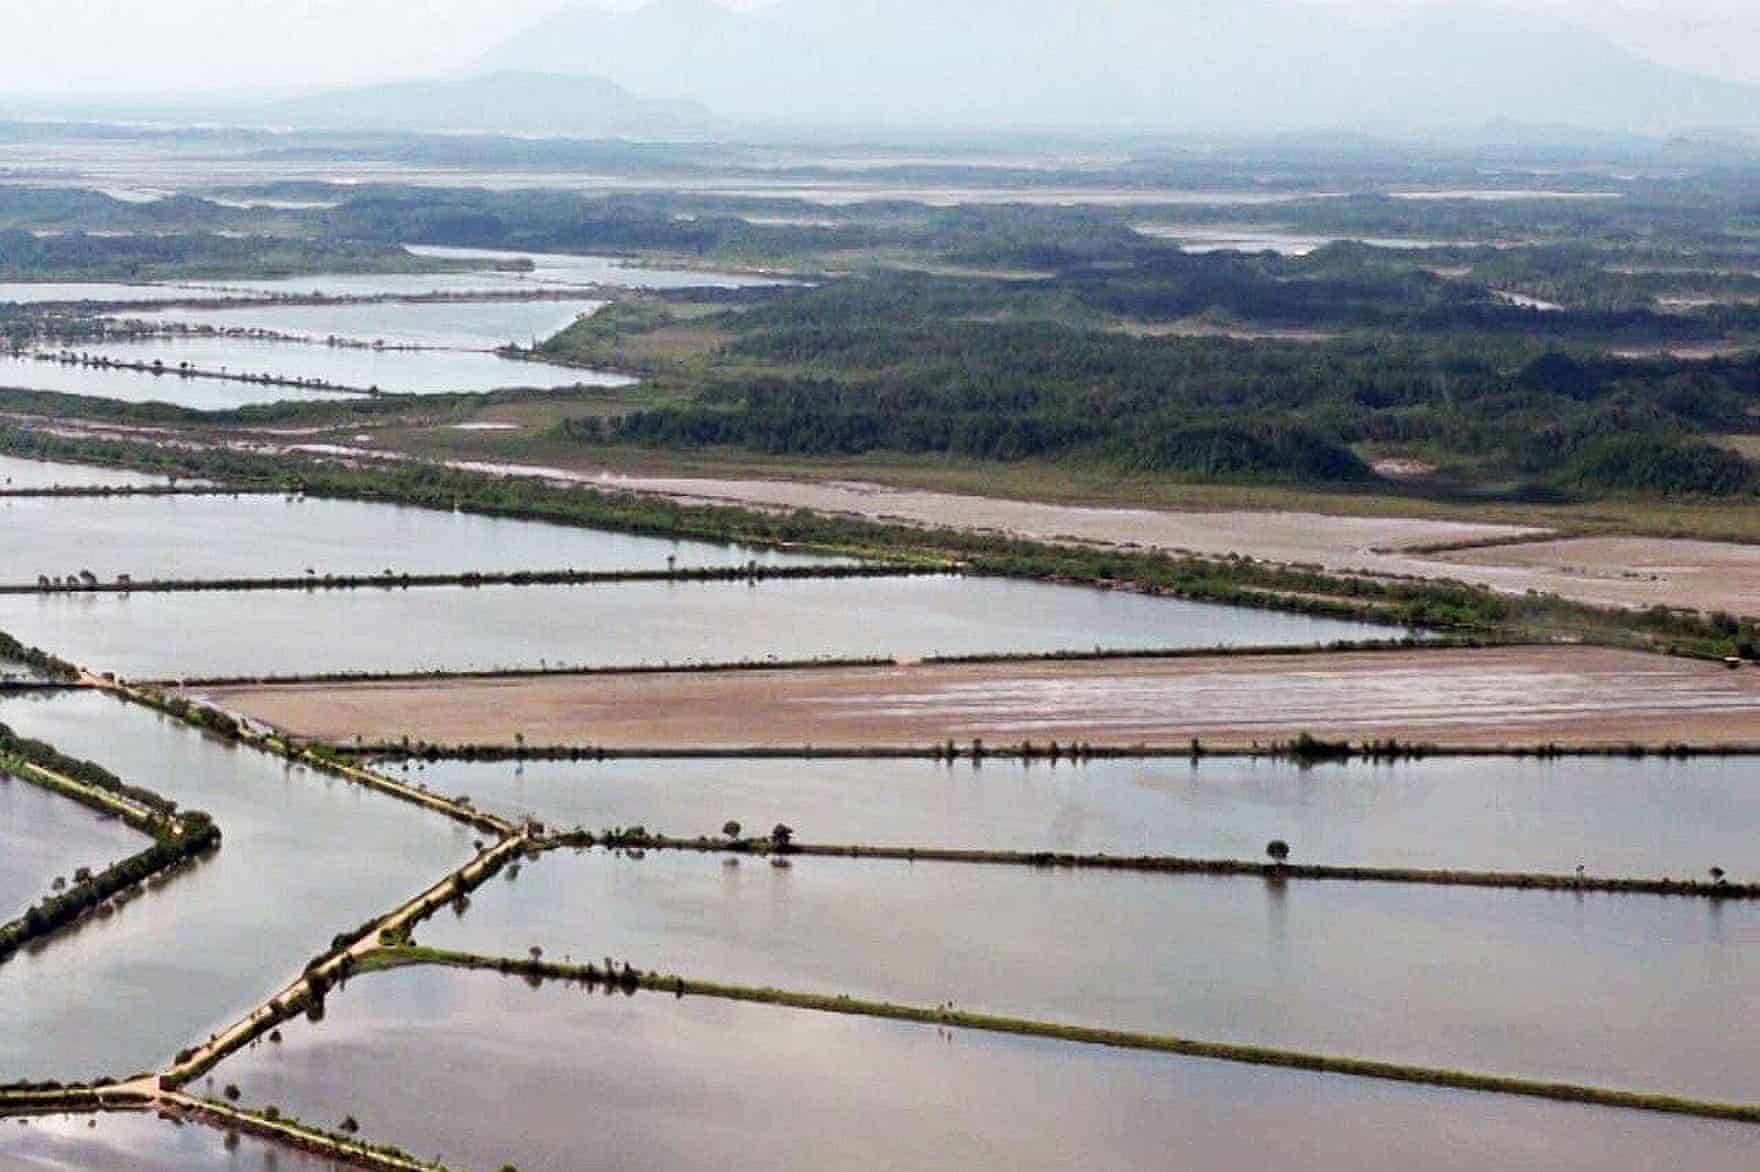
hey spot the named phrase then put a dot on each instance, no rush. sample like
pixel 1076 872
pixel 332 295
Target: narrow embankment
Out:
pixel 178 837
pixel 632 979
pixel 1270 872
pixel 393 581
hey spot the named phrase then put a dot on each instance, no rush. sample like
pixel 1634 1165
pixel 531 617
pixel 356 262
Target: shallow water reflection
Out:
pixel 641 623
pixel 1626 991
pixel 485 1071
pixel 1647 818
pixel 304 857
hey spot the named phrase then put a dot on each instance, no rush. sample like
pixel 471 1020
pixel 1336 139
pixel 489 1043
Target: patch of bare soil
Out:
pixel 1502 696
pixel 1616 571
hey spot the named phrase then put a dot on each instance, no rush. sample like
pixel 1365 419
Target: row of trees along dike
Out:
pixel 1237 581
pixel 34 657
pixel 178 836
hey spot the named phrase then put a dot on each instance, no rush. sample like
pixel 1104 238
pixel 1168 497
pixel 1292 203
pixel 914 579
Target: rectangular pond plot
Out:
pixel 403 372
pixel 1634 992
pixel 304 857
pixel 484 1072
pixel 44 836
pixel 1648 818
pixel 269 536
pixel 19 474
pixel 133 386
pixel 480 325
pixel 212 634
pixel 143 1142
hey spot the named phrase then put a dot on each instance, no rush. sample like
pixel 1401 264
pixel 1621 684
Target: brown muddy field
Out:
pixel 1617 571
pixel 1337 542
pixel 1481 698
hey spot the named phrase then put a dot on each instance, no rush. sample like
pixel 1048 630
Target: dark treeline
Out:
pixel 902 363
pixel 49 665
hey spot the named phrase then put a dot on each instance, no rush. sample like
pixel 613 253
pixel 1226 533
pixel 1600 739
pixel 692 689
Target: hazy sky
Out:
pixel 104 47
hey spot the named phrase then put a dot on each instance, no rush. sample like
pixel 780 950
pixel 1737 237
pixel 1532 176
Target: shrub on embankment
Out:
pixel 177 838
pixel 194 833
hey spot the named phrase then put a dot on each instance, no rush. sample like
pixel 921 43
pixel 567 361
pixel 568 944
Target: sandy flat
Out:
pixel 1513 696
pixel 1336 542
pixel 1617 571
pixel 1635 572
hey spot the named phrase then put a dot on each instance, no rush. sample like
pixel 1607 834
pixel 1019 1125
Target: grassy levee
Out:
pixel 292 1133
pixel 1174 865
pixel 508 578
pixel 342 960
pixel 1439 604
pixel 214 721
pixel 632 980
pixel 177 837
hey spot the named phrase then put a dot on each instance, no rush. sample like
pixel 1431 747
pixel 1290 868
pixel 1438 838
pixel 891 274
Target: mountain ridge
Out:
pixel 1140 65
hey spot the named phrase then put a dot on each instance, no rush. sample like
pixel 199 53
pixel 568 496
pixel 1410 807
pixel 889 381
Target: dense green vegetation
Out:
pixel 918 364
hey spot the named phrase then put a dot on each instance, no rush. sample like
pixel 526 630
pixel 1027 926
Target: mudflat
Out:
pixel 1617 571
pixel 1514 696
pixel 1632 572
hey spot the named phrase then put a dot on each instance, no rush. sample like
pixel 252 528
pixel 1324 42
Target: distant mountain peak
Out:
pixel 1124 65
pixel 501 101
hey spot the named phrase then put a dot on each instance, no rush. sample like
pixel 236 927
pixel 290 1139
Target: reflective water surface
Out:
pixel 404 372
pixel 17 473
pixel 484 1072
pixel 261 536
pixel 1615 817
pixel 304 857
pixel 651 623
pixel 1635 992
pixel 141 1143
pixel 476 325
pixel 133 386
pixel 44 835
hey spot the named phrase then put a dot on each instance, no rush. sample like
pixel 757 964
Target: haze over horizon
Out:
pixel 1637 65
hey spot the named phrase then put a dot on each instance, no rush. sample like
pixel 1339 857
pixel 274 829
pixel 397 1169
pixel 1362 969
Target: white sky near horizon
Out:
pixel 105 48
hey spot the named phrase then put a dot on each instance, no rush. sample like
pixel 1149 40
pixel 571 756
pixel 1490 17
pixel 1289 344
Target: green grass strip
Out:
pixel 391 958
